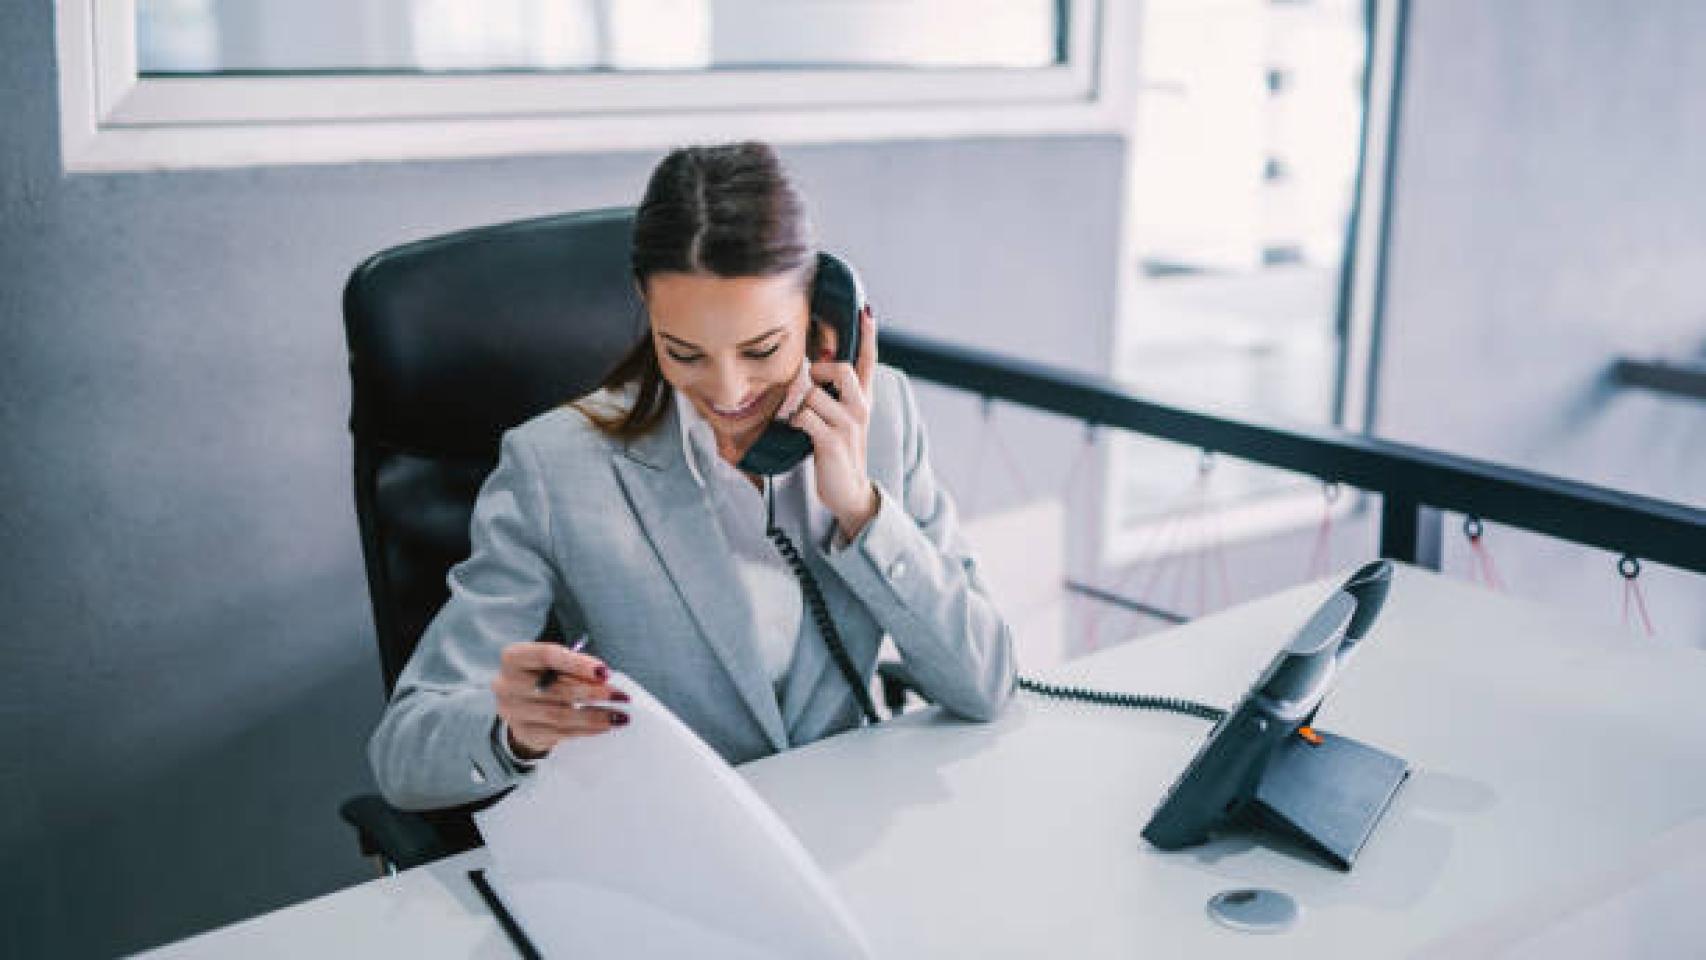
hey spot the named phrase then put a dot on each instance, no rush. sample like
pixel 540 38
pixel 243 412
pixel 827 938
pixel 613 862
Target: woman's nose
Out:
pixel 727 389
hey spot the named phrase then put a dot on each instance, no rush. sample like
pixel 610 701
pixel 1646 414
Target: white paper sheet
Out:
pixel 643 842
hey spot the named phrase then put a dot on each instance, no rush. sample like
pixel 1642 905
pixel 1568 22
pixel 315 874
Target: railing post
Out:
pixel 1410 532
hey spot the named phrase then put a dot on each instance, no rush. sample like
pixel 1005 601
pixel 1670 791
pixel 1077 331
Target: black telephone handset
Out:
pixel 837 298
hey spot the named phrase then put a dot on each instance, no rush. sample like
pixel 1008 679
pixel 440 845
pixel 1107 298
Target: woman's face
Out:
pixel 730 345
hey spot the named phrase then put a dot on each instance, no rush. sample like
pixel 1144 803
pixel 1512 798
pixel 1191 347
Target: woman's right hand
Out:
pixel 541 717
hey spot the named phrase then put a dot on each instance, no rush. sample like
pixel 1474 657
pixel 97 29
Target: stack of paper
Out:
pixel 642 842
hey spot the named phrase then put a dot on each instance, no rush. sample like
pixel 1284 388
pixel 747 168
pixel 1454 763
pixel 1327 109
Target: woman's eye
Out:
pixel 678 358
pixel 764 354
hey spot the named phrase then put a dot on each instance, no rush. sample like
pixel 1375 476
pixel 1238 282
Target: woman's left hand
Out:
pixel 837 428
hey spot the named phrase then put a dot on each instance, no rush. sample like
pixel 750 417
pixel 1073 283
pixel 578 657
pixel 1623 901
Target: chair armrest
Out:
pixel 402 838
pixel 897 681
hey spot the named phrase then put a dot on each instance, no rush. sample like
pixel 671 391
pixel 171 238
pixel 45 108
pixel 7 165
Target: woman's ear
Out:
pixel 821 341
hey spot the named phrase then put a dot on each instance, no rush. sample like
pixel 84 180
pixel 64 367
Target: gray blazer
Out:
pixel 619 541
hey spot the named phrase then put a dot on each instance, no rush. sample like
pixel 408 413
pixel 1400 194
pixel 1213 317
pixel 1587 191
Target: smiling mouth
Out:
pixel 741 412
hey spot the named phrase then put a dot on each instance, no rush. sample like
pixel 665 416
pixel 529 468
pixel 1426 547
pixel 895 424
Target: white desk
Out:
pixel 1558 770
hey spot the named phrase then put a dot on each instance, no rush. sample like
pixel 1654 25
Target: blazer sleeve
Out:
pixel 438 743
pixel 914 572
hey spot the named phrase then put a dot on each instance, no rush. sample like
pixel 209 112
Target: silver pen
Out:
pixel 548 676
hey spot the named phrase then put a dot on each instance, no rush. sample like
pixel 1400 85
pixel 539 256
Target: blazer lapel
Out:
pixel 678 521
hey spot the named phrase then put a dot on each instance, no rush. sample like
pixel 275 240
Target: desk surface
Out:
pixel 1555 766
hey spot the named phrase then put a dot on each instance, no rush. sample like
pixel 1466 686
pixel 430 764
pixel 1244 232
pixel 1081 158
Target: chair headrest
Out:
pixel 457 338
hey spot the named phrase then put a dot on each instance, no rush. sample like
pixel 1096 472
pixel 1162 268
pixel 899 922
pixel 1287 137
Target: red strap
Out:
pixel 1631 570
pixel 1482 569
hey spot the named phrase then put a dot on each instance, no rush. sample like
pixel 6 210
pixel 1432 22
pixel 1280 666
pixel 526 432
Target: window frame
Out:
pixel 113 118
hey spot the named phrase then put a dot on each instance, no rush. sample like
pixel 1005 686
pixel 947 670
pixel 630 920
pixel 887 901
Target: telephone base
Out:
pixel 1327 796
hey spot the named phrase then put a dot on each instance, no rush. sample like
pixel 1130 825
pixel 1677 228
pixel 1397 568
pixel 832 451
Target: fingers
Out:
pixel 539 719
pixel 566 720
pixel 540 734
pixel 569 693
pixel 796 394
pixel 846 383
pixel 814 426
pixel 535 658
pixel 834 414
pixel 830 427
pixel 843 375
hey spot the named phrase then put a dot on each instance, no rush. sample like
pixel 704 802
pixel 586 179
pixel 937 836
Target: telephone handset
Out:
pixel 837 298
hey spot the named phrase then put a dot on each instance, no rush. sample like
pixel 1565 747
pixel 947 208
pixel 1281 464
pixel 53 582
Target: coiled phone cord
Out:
pixel 820 610
pixel 837 650
pixel 1130 701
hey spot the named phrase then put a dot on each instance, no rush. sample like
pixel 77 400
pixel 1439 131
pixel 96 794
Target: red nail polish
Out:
pixel 618 719
pixel 602 674
pixel 619 696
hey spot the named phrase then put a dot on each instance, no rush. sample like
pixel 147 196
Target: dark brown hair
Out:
pixel 729 211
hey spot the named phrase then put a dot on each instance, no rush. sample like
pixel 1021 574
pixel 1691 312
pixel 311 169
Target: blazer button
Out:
pixel 897 569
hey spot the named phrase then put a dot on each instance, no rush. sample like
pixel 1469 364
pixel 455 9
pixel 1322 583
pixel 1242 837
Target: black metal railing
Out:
pixel 1415 483
pixel 1685 379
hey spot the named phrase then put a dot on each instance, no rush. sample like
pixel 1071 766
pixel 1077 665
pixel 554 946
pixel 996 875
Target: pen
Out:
pixel 548 676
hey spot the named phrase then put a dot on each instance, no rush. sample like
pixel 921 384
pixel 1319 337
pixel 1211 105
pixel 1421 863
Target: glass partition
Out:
pixel 1243 222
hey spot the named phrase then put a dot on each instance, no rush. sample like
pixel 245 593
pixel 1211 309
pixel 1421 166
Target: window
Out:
pixel 1255 205
pixel 150 83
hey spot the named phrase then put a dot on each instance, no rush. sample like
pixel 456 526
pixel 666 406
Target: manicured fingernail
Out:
pixel 619 696
pixel 618 719
pixel 601 674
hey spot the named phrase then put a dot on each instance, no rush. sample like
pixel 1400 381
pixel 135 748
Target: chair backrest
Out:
pixel 452 341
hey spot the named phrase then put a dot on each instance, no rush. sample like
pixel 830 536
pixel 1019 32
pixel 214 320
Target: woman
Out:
pixel 625 517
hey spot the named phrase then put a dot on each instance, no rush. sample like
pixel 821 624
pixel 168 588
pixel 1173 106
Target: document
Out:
pixel 643 842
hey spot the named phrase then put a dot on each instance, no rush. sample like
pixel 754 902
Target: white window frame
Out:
pixel 1283 512
pixel 114 119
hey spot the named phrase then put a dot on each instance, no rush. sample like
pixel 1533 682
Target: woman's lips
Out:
pixel 741 412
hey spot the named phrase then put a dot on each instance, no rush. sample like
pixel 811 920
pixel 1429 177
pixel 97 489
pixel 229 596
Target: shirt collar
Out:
pixel 696 437
pixel 699 443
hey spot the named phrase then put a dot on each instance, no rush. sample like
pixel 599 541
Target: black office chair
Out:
pixel 452 341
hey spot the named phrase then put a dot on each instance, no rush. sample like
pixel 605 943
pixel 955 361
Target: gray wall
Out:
pixel 187 676
pixel 1548 216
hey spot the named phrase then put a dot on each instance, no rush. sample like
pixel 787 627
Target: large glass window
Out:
pixel 188 37
pixel 147 83
pixel 1247 168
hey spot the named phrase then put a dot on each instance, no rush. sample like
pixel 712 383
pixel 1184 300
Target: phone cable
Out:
pixel 820 610
pixel 1129 701
pixel 813 595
